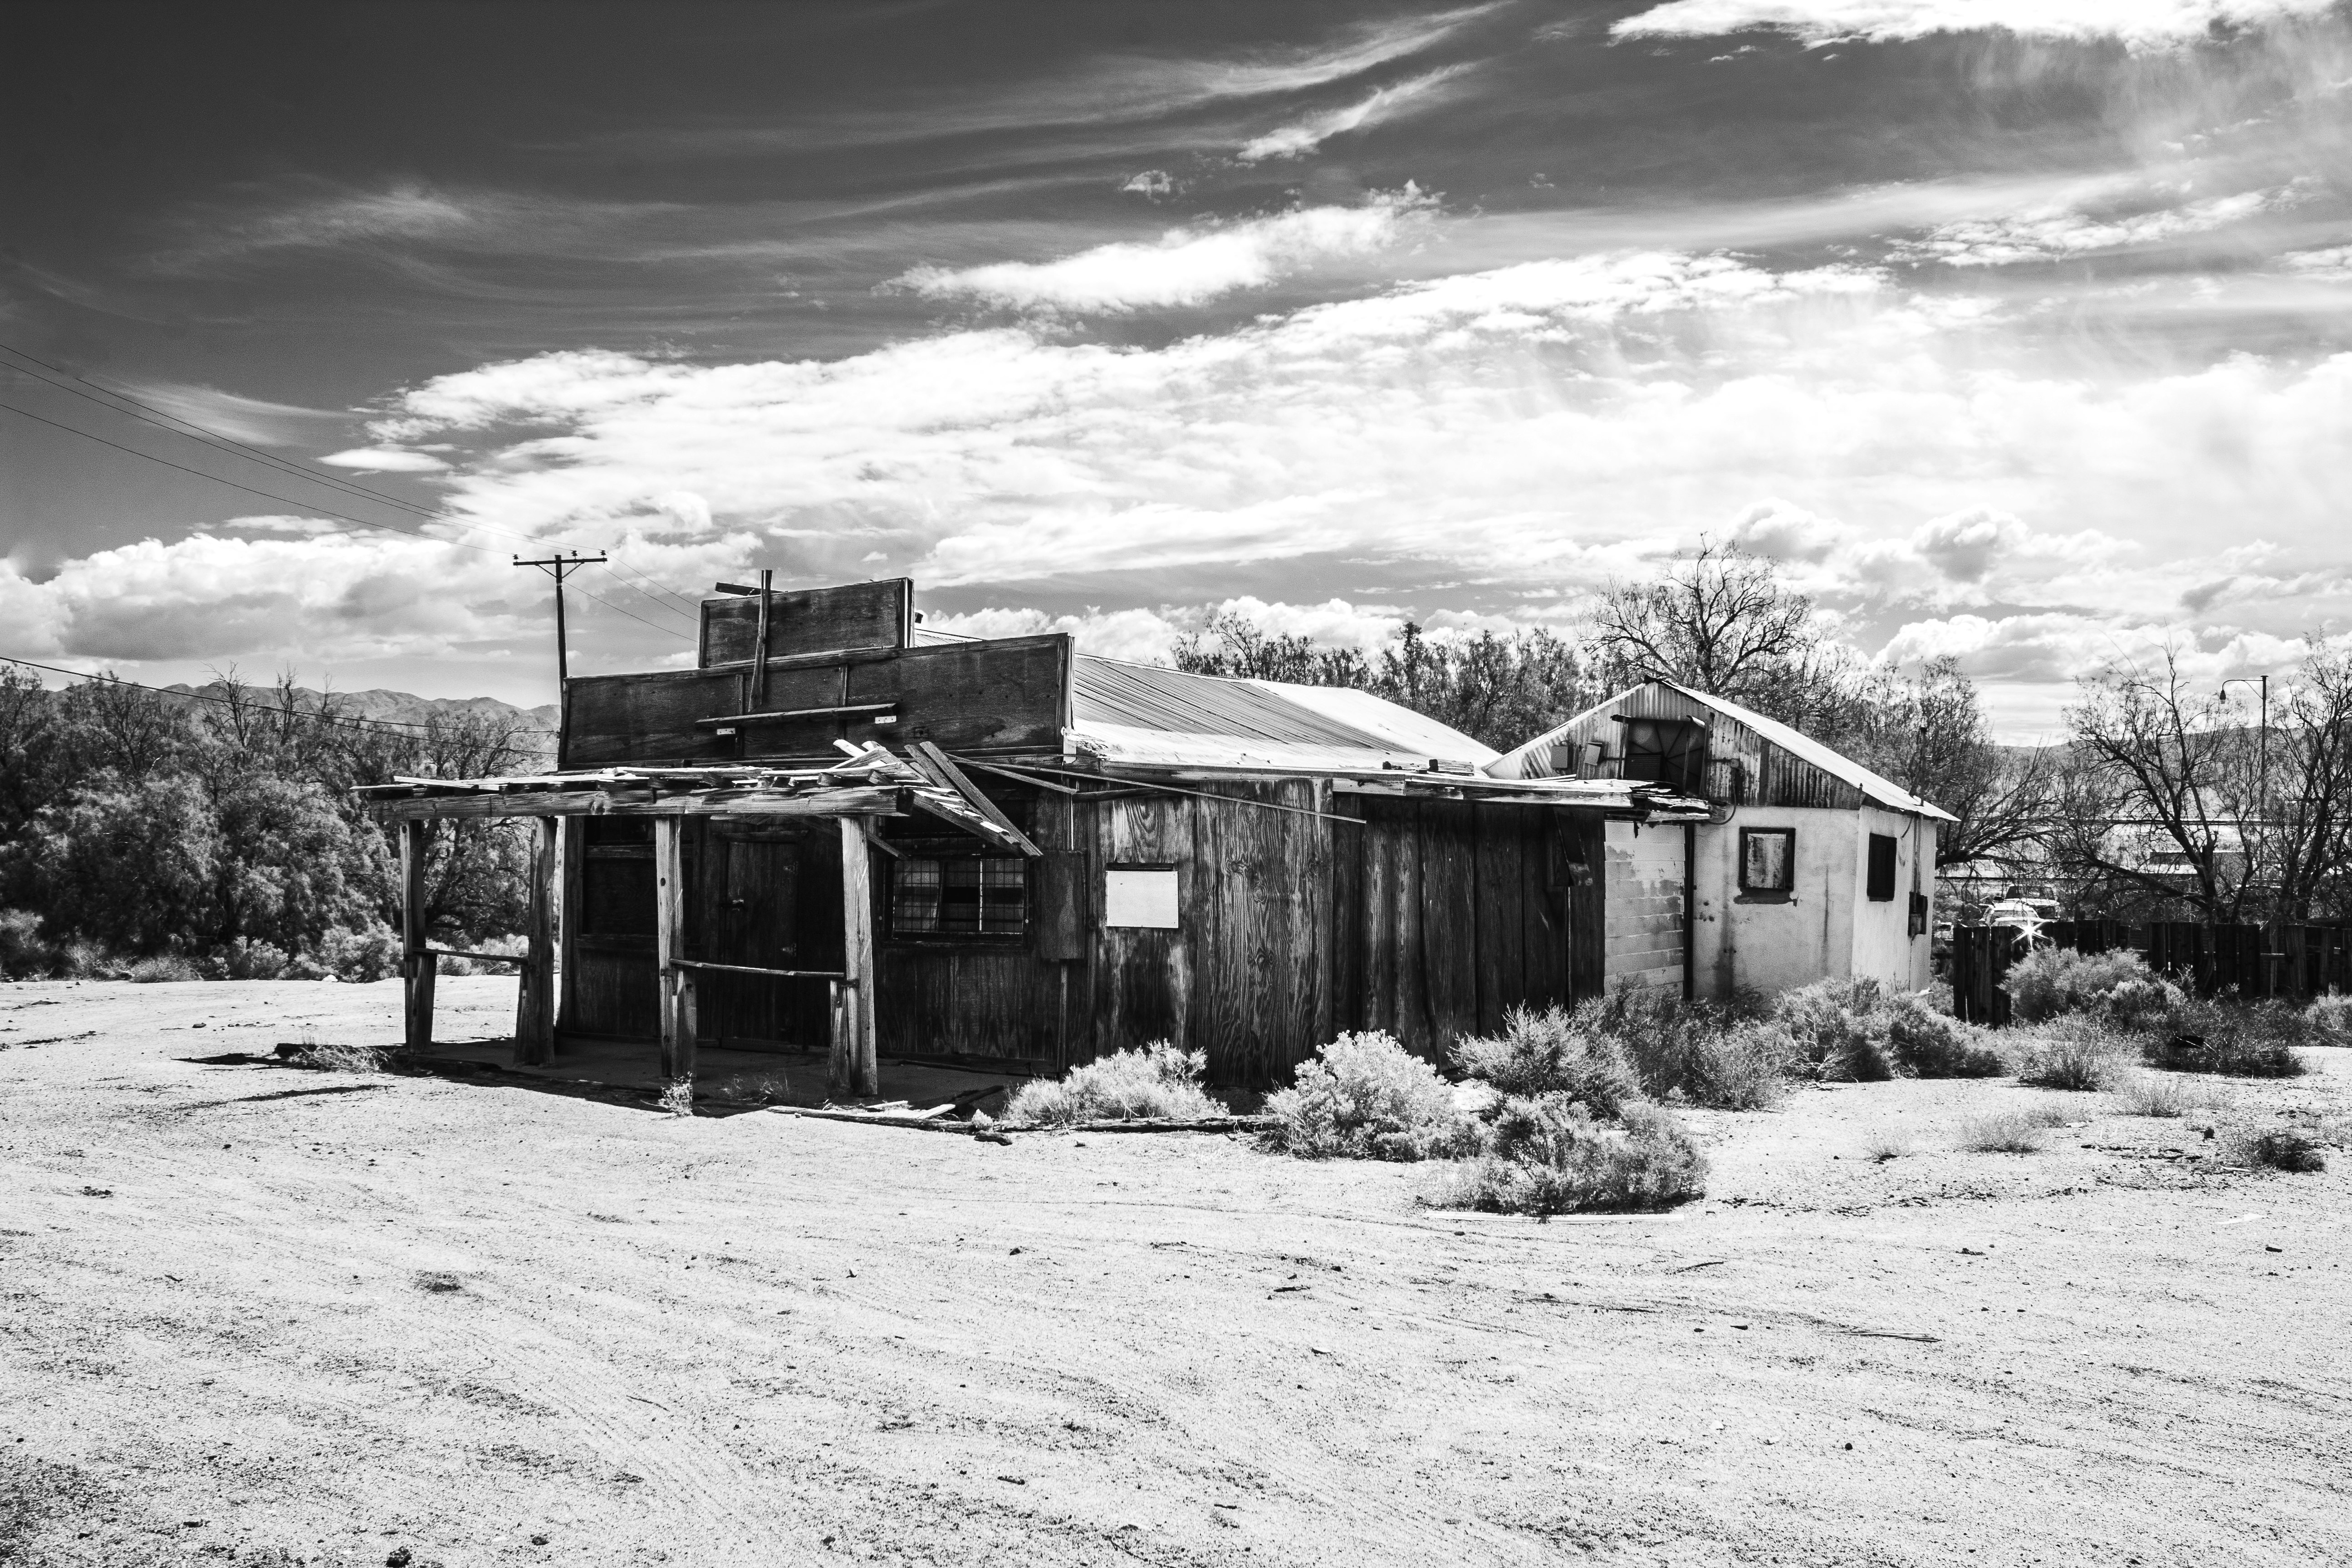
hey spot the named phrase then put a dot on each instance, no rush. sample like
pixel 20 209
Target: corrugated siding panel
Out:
pixel 1774 776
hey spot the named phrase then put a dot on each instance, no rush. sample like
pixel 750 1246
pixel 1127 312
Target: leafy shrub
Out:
pixel 514 946
pixel 1365 1096
pixel 1927 1043
pixel 1554 1052
pixel 243 960
pixel 1549 1156
pixel 368 953
pixel 1838 1029
pixel 2050 981
pixel 163 967
pixel 25 955
pixel 1156 1081
pixel 2278 1148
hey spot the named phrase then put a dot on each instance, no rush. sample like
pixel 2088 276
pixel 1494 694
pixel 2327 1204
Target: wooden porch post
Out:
pixel 535 998
pixel 670 940
pixel 417 968
pixel 855 1068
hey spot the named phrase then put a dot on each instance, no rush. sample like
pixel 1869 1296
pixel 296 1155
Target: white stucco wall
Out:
pixel 1884 948
pixel 1643 894
pixel 1826 926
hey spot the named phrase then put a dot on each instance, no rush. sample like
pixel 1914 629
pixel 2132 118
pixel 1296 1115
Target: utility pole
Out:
pixel 556 566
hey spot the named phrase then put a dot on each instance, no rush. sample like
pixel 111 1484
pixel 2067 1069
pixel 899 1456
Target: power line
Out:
pixel 305 506
pixel 178 424
pixel 231 702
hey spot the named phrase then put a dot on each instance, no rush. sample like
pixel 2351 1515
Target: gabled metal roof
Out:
pixel 1149 712
pixel 1529 760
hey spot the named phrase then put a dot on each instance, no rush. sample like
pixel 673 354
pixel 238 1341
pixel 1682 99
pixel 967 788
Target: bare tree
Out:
pixel 1928 735
pixel 2294 794
pixel 2146 797
pixel 1721 622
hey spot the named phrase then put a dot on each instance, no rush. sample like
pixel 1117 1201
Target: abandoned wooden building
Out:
pixel 843 831
pixel 1811 867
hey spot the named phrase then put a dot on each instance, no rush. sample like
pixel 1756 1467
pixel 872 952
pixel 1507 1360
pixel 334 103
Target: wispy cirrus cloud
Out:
pixel 1186 266
pixel 2144 23
pixel 1383 103
pixel 2051 234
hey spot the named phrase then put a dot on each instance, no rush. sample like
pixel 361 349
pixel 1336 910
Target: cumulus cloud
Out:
pixel 386 460
pixel 1493 444
pixel 2048 234
pixel 1303 136
pixel 1185 265
pixel 2141 23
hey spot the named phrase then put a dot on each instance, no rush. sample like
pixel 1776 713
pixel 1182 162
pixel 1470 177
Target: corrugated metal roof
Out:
pixel 1125 704
pixel 1798 746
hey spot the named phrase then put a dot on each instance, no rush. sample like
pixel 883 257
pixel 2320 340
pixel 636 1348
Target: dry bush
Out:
pixel 2146 1094
pixel 2207 1038
pixel 2079 1054
pixel 163 967
pixel 677 1097
pixel 2007 1131
pixel 1550 1156
pixel 1839 1030
pixel 1927 1043
pixel 2276 1148
pixel 2329 1020
pixel 332 1057
pixel 1881 1147
pixel 1157 1081
pixel 2052 981
pixel 1365 1096
pixel 1554 1052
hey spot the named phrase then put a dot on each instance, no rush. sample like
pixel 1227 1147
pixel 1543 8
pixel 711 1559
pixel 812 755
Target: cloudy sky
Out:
pixel 2018 330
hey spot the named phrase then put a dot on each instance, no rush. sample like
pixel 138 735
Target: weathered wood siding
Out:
pixel 1009 694
pixel 1464 912
pixel 810 620
pixel 1430 920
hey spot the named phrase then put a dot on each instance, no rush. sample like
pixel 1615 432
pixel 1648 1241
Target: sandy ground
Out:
pixel 258 1314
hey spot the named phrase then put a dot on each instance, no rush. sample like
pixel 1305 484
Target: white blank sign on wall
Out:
pixel 1140 899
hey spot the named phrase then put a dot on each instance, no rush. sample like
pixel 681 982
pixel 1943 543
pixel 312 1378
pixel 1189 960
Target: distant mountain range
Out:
pixel 404 708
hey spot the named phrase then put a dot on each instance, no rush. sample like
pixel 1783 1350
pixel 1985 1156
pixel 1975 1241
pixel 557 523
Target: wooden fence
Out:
pixel 2297 961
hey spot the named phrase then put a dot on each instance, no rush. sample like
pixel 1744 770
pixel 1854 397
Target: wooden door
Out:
pixel 751 901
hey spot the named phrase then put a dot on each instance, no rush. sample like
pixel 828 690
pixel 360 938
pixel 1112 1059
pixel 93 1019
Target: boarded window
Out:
pixel 1140 897
pixel 968 896
pixel 1767 859
pixel 1882 867
pixel 1670 752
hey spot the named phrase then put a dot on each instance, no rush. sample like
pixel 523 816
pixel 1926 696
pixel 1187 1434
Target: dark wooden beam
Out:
pixel 854 1068
pixel 535 995
pixel 669 941
pixel 862 800
pixel 961 784
pixel 418 967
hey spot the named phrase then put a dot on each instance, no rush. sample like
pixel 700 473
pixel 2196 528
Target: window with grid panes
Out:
pixel 963 896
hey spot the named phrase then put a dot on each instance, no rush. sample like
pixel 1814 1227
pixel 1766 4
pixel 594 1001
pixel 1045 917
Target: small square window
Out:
pixel 1767 859
pixel 964 897
pixel 1882 867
